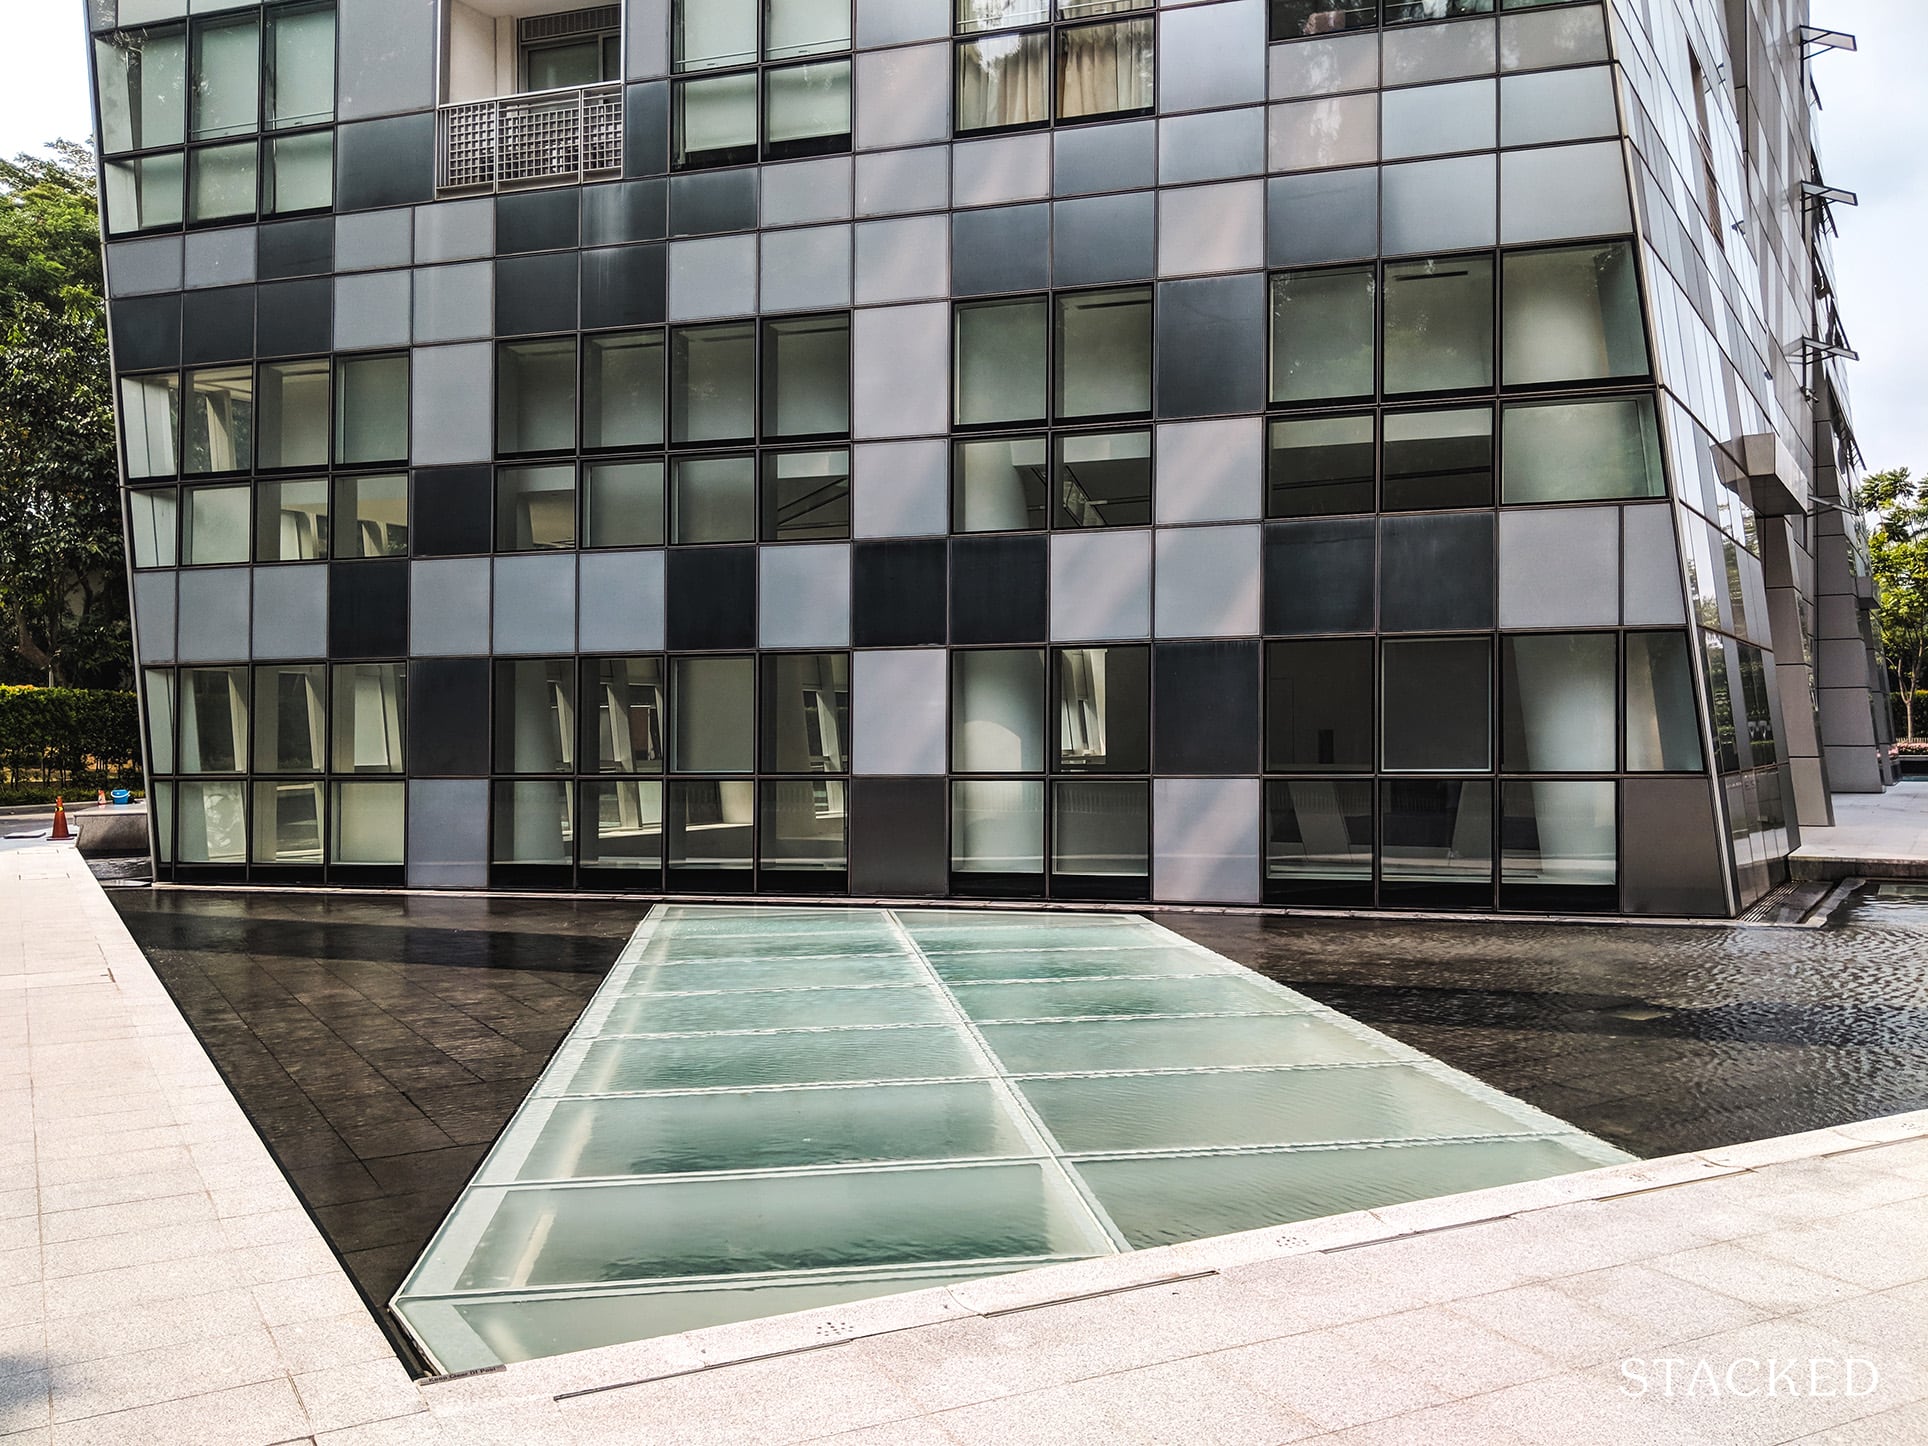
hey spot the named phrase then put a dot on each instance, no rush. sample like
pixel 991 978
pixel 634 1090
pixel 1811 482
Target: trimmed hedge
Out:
pixel 69 736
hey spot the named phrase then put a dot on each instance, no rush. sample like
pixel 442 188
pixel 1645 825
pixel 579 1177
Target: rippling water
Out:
pixel 1658 1039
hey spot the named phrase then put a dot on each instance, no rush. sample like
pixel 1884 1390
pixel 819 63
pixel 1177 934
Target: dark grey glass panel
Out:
pixel 1319 576
pixel 710 204
pixel 713 383
pixel 1001 362
pixel 546 220
pixel 1318 706
pixel 998 589
pixel 1104 239
pixel 899 593
pixel 806 496
pixel 1211 346
pixel 623 504
pixel 1558 702
pixel 296 317
pixel 535 716
pixel 536 293
pixel 646 129
pixel 1000 484
pixel 1663 720
pixel 448 717
pixel 1673 856
pixel 1104 710
pixel 1438 459
pixel 217 325
pixel 452 511
pixel 1436 842
pixel 625 212
pixel 147 332
pixel 712 597
pixel 899 842
pixel 368 609
pixel 385 162
pixel 627 286
pixel 1005 248
pixel 1436 572
pixel 806 713
pixel 1103 479
pixel 1573 314
pixel 295 248
pixel 806 377
pixel 1439 325
pixel 1319 465
pixel 1437 705
pixel 1205 708
pixel 1102 346
pixel 1105 158
pixel 1322 216
pixel 1322 335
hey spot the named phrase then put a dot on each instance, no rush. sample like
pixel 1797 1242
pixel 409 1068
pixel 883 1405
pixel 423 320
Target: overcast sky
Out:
pixel 1874 137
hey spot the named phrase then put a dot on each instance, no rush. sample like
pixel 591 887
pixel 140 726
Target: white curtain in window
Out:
pixel 715 33
pixel 806 27
pixel 1002 81
pixel 1105 69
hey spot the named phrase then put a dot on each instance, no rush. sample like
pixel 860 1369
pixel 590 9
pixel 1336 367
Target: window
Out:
pixel 291 521
pixel 292 416
pixel 1436 842
pixel 623 704
pixel 535 397
pixel 1558 702
pixel 622 387
pixel 219 421
pixel 729 109
pixel 1104 710
pixel 623 504
pixel 371 409
pixel 1091 363
pixel 1581 451
pixel 997 827
pixel 287 822
pixel 712 499
pixel 1304 19
pixel 623 826
pixel 1101 831
pixel 1024 63
pixel 150 414
pixel 713 384
pixel 152 517
pixel 214 526
pixel 535 717
pixel 806 496
pixel 371 516
pixel 535 823
pixel 1323 327
pixel 367 823
pixel 1438 459
pixel 1439 325
pixel 806 713
pixel 801 828
pixel 1663 721
pixel 1319 706
pixel 214 720
pixel 1436 704
pixel 576 48
pixel 535 508
pixel 290 718
pixel 997 711
pixel 1559 845
pixel 1318 841
pixel 1572 315
pixel 806 377
pixel 213 86
pixel 1317 466
pixel 713 715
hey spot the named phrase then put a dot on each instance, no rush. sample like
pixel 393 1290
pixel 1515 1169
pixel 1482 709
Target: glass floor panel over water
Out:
pixel 768 1109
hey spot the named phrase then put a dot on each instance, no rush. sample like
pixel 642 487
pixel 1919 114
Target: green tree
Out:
pixel 1898 559
pixel 63 591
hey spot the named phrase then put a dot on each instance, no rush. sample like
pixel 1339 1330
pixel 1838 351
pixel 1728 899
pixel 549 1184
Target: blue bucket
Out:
pixel 121 795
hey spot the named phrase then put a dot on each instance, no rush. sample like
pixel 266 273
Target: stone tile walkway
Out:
pixel 158 1285
pixel 1875 835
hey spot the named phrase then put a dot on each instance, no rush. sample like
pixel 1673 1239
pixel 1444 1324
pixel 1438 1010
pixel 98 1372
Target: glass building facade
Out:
pixel 1316 453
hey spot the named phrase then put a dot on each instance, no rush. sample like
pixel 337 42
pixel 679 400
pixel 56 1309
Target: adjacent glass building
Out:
pixel 1325 452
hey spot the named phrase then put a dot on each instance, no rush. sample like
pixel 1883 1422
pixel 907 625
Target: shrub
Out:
pixel 52 736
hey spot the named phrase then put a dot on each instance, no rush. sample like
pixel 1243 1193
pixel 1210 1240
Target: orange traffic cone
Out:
pixel 60 821
pixel 102 800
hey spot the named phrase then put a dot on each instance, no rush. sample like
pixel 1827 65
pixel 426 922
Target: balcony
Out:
pixel 519 140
